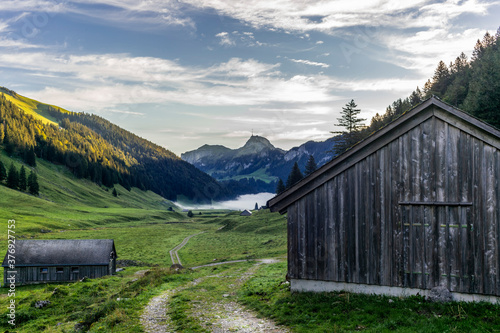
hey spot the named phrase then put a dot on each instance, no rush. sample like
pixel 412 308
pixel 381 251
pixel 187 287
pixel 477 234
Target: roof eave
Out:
pixel 428 108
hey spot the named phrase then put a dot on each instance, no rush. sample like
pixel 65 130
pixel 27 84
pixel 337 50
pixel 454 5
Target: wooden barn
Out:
pixel 414 206
pixel 57 260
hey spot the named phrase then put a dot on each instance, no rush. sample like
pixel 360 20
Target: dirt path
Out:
pixel 174 252
pixel 223 315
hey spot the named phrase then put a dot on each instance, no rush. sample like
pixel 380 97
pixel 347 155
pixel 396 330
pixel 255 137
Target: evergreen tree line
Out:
pixel 296 175
pixel 18 180
pixel 473 86
pixel 93 148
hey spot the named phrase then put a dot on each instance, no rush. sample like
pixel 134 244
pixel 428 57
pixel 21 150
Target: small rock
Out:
pixel 41 304
pixel 391 301
pixel 120 269
pixel 225 295
pixel 440 294
pixel 133 280
pixel 84 279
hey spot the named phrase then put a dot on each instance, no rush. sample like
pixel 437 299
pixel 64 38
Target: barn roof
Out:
pixel 432 107
pixel 61 252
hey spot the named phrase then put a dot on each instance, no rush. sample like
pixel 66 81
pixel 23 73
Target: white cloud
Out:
pixel 225 39
pixel 310 63
pixel 114 79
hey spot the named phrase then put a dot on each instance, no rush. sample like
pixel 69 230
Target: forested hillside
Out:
pixel 471 85
pixel 93 148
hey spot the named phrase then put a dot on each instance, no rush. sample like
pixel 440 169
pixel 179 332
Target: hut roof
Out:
pixel 61 252
pixel 246 212
pixel 432 107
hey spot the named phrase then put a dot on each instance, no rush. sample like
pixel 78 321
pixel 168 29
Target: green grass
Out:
pixel 268 293
pixel 144 231
pixel 262 235
pixel 30 106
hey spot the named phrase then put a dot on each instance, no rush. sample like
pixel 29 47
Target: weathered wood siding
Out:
pixel 419 212
pixel 27 275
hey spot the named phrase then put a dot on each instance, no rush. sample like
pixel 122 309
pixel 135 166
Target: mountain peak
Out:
pixel 258 142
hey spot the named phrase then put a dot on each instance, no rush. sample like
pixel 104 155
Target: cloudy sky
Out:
pixel 183 73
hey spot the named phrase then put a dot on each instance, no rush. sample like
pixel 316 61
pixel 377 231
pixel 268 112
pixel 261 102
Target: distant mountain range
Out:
pixel 258 164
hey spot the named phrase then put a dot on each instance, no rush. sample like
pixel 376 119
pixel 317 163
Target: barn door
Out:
pixel 437 249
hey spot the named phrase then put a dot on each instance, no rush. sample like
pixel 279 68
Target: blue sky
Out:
pixel 183 73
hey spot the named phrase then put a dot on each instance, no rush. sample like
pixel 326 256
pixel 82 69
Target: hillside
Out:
pixel 95 149
pixel 257 165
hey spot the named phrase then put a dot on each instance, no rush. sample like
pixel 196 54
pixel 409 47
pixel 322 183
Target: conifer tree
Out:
pixel 115 194
pixel 22 185
pixel 311 166
pixel 190 213
pixel 353 127
pixel 3 172
pixel 29 156
pixel 295 176
pixel 33 186
pixel 12 177
pixel 280 187
pixel 256 206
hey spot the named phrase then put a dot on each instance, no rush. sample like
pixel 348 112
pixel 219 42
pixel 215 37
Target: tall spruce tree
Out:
pixel 3 172
pixel 295 176
pixel 280 187
pixel 352 123
pixel 12 177
pixel 311 166
pixel 33 186
pixel 22 184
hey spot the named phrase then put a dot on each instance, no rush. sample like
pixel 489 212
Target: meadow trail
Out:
pixel 222 314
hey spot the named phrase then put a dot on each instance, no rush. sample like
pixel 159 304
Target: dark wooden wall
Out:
pixel 26 275
pixel 421 211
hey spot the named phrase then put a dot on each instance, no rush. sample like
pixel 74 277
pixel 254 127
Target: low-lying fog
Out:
pixel 243 202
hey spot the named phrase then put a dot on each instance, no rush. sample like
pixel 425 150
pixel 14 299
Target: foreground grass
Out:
pixel 268 293
pixel 112 303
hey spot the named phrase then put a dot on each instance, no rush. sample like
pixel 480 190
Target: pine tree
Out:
pixel 280 187
pixel 3 172
pixel 295 176
pixel 33 186
pixel 29 156
pixel 440 80
pixel 349 118
pixel 353 125
pixel 12 177
pixel 22 179
pixel 311 166
pixel 190 213
pixel 115 194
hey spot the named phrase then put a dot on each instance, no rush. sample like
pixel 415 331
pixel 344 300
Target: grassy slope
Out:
pixel 33 107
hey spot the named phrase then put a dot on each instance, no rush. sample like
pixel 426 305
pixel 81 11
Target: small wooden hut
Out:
pixel 414 206
pixel 58 260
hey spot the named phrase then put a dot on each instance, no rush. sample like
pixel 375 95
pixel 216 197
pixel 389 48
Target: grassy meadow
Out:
pixel 145 231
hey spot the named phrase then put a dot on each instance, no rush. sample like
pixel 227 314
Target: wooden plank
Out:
pixel 301 246
pixel 398 270
pixel 352 226
pixel 331 234
pixel 344 228
pixel 320 222
pixel 311 259
pixel 292 232
pixel 491 253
